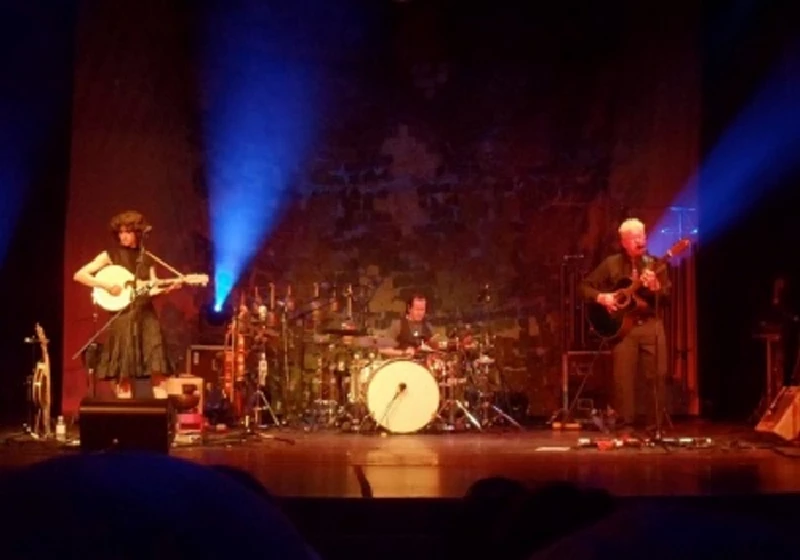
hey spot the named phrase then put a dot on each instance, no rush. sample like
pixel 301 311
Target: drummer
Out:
pixel 412 333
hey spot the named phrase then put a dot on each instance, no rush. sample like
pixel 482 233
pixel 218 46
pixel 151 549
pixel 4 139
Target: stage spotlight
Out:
pixel 217 314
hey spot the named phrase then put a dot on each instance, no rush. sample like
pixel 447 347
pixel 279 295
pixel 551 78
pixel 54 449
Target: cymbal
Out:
pixel 374 341
pixel 345 332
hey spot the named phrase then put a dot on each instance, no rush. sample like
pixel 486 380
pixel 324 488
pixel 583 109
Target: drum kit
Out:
pixel 318 366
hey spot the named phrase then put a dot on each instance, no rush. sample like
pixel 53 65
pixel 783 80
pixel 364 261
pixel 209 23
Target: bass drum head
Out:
pixel 402 396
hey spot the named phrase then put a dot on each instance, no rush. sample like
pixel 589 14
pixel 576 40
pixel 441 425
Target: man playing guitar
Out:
pixel 640 355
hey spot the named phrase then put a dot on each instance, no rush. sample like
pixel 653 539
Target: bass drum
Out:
pixel 402 396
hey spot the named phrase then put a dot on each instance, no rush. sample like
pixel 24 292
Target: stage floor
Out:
pixel 330 464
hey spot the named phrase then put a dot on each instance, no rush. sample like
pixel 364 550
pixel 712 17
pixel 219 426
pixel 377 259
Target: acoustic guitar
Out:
pixel 614 326
pixel 116 275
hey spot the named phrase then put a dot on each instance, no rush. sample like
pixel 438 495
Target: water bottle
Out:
pixel 61 429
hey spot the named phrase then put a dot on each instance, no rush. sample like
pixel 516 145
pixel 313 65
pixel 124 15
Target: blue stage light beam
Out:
pixel 258 124
pixel 758 150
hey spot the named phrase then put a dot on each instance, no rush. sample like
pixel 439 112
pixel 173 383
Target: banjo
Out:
pixel 40 387
pixel 116 275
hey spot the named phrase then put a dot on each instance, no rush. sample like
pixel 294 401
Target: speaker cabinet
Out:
pixel 783 416
pixel 126 425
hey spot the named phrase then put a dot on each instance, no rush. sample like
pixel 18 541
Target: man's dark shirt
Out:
pixel 618 266
pixel 410 333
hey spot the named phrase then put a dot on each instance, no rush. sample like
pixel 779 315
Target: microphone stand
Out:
pixel 659 383
pixel 90 358
pixel 142 272
pixel 401 389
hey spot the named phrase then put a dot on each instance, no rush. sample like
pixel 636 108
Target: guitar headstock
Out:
pixel 40 334
pixel 195 279
pixel 679 247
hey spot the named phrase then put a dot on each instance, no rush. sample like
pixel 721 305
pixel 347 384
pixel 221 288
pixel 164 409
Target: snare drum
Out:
pixel 402 396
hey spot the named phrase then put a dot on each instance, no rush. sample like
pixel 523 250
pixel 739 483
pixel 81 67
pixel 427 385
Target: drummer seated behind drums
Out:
pixel 410 332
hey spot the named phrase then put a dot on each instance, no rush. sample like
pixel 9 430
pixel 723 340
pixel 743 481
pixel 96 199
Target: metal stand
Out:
pixel 258 400
pixel 660 409
pixel 573 335
pixel 770 340
pixel 452 404
pixel 290 415
pixel 94 337
pixel 490 412
pixel 567 410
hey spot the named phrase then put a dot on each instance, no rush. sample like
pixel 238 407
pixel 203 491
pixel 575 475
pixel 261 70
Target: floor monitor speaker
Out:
pixel 126 425
pixel 783 415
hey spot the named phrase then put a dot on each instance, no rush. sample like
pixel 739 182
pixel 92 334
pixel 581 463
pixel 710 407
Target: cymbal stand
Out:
pixel 291 412
pixel 317 307
pixel 258 400
pixel 490 412
pixel 452 403
pixel 287 307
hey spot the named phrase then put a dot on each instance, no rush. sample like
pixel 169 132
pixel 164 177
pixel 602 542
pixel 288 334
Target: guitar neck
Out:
pixel 45 355
pixel 658 267
pixel 190 279
pixel 165 282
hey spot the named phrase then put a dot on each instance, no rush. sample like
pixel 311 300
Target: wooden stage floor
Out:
pixel 329 464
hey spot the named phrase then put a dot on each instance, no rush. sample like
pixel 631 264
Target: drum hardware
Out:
pixel 452 403
pixel 490 412
pixel 289 399
pixel 258 400
pixel 339 356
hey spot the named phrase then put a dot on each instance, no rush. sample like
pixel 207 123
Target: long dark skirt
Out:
pixel 122 357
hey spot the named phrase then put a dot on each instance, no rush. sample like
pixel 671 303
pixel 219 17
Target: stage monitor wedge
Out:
pixel 783 415
pixel 126 425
